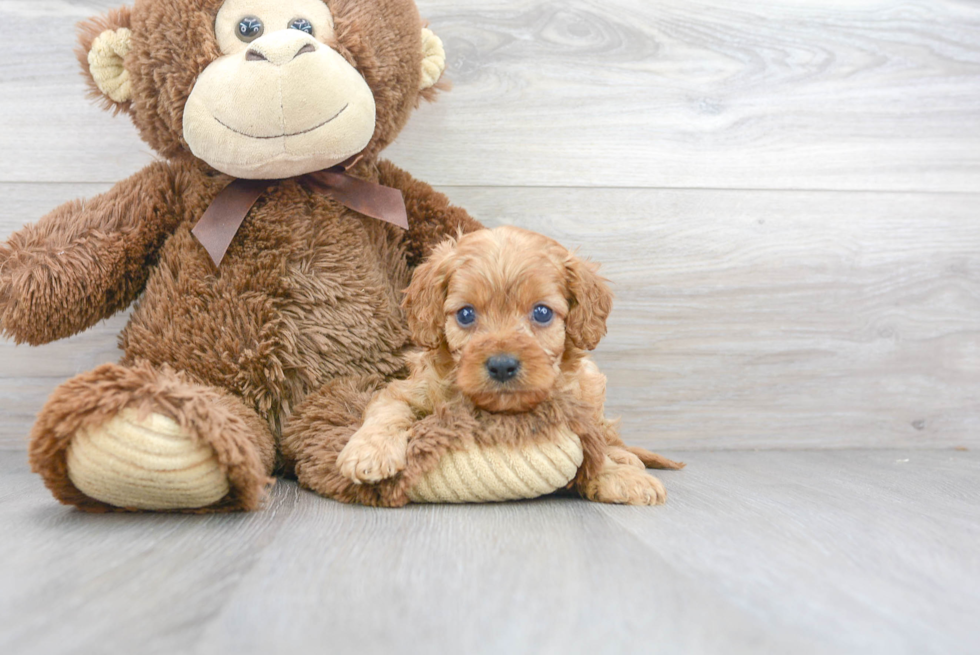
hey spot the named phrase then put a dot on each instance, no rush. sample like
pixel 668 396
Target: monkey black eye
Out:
pixel 466 316
pixel 302 25
pixel 250 28
pixel 542 314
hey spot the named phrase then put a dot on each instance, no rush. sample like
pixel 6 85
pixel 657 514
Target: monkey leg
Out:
pixel 319 429
pixel 147 438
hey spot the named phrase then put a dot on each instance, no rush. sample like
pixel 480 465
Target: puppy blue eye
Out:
pixel 466 316
pixel 542 314
pixel 250 28
pixel 302 25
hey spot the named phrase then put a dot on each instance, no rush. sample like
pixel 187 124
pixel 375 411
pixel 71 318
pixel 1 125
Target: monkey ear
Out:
pixel 433 61
pixel 104 42
pixel 589 305
pixel 425 297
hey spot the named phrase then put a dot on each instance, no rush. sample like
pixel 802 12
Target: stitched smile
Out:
pixel 280 136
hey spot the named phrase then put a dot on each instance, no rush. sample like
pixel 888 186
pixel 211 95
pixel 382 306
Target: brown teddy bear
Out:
pixel 265 251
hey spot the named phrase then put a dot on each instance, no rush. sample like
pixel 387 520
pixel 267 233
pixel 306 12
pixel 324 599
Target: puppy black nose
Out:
pixel 503 368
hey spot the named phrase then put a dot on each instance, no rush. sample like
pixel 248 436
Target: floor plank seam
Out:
pixel 599 188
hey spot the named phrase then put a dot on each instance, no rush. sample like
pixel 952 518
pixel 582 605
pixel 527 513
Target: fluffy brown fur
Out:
pixel 450 401
pixel 307 294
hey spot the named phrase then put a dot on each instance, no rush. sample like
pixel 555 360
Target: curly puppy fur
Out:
pixel 307 296
pixel 450 400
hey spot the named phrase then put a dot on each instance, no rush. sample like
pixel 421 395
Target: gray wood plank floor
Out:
pixel 781 552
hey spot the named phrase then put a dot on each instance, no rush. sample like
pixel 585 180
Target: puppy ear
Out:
pixel 425 297
pixel 103 43
pixel 589 305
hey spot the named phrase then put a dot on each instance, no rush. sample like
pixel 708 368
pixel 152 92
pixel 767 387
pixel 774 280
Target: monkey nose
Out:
pixel 503 368
pixel 280 48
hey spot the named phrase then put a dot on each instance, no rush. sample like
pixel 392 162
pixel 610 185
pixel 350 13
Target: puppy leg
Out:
pixel 623 484
pixel 377 450
pixel 592 390
pixel 373 454
pixel 640 458
pixel 653 460
pixel 625 457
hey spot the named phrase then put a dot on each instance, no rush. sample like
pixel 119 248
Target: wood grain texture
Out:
pixel 861 552
pixel 756 320
pixel 743 319
pixel 848 94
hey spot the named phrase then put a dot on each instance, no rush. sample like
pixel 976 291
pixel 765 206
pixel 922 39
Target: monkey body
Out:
pixel 308 291
pixel 218 359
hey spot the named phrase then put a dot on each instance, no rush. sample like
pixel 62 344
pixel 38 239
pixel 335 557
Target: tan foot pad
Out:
pixel 150 464
pixel 488 474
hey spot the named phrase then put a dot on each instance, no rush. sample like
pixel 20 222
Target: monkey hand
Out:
pixel 39 291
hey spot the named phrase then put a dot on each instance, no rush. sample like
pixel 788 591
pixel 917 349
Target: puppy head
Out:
pixel 507 305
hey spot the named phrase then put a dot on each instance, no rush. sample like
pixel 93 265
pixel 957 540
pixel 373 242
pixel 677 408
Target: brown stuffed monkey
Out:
pixel 222 348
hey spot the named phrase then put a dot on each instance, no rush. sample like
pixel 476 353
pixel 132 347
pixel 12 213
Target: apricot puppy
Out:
pixel 505 319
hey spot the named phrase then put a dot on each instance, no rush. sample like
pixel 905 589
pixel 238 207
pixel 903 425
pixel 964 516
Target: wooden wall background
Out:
pixel 786 195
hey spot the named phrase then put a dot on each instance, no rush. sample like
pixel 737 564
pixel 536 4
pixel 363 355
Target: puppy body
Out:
pixel 504 319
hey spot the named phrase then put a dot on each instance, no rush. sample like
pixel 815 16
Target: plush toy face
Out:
pixel 264 89
pixel 279 101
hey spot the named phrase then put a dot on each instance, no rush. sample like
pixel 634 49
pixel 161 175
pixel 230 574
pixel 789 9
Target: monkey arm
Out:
pixel 85 261
pixel 431 218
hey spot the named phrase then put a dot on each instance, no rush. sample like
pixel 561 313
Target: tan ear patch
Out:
pixel 105 61
pixel 433 59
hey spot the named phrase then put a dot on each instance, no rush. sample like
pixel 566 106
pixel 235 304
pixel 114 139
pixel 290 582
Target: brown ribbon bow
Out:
pixel 228 210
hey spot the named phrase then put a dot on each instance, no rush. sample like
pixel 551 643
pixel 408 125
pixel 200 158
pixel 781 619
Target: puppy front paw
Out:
pixel 372 456
pixel 624 484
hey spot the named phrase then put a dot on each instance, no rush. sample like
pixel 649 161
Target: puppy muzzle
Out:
pixel 506 373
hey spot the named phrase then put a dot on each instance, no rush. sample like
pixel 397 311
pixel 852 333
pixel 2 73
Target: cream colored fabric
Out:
pixel 433 59
pixel 498 473
pixel 105 62
pixel 150 464
pixel 281 116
